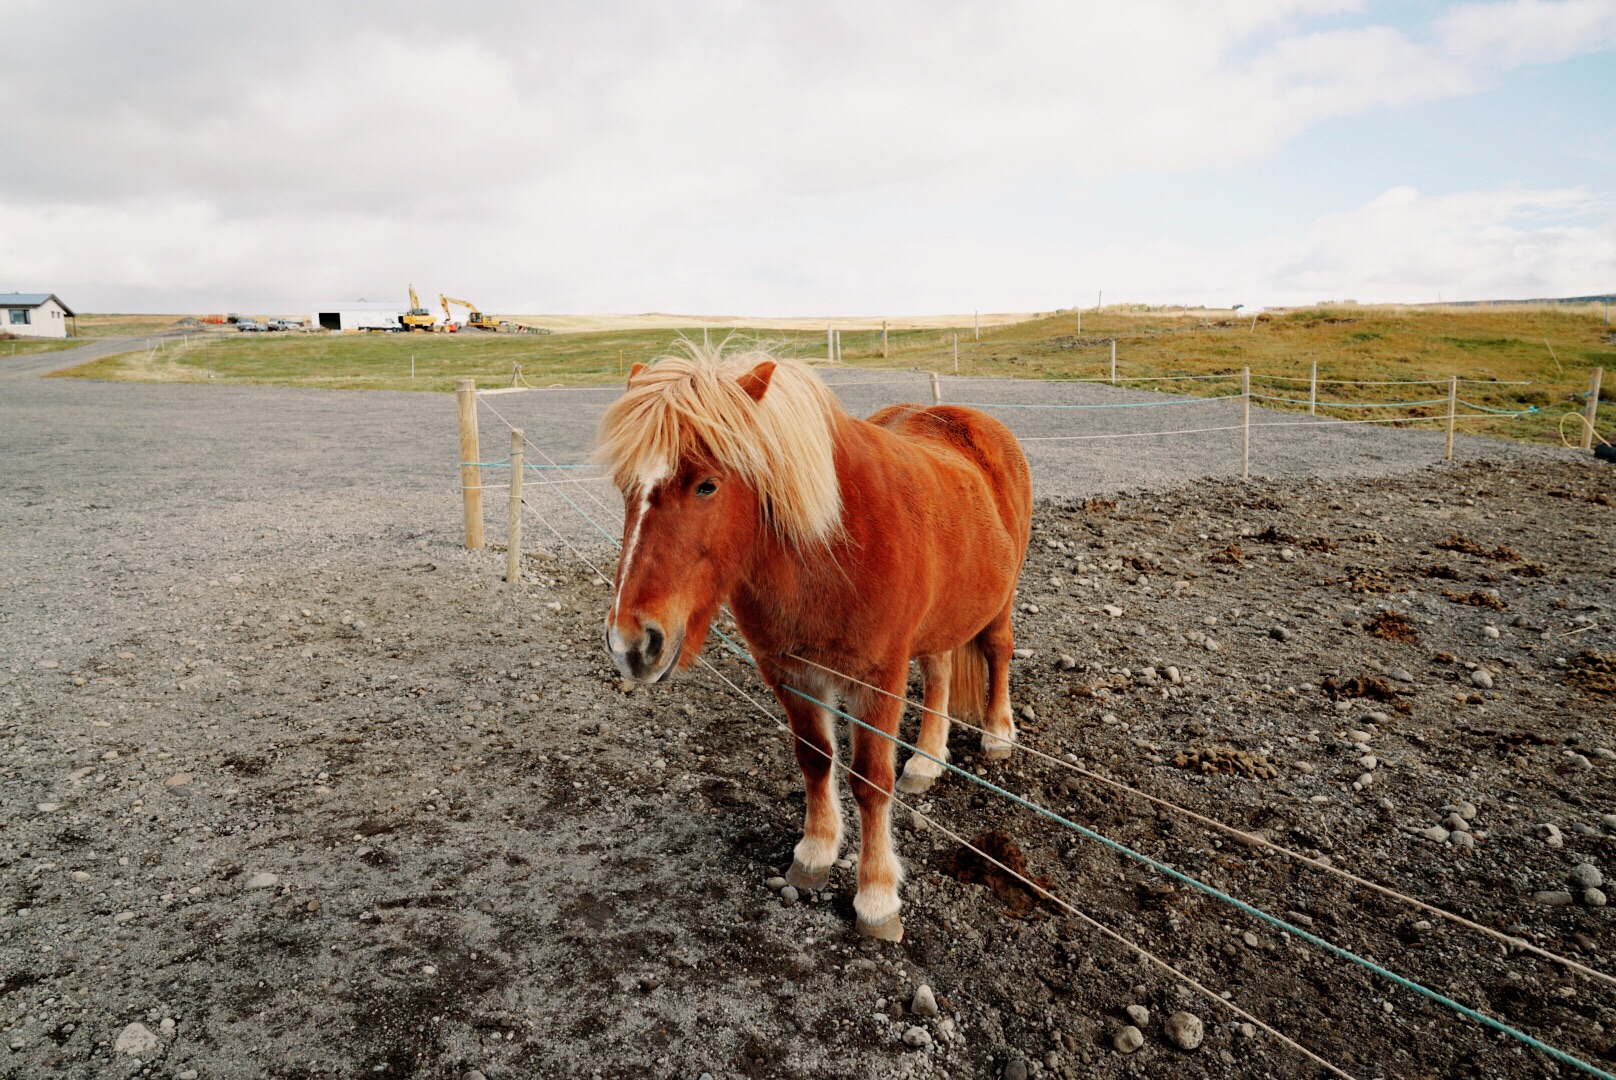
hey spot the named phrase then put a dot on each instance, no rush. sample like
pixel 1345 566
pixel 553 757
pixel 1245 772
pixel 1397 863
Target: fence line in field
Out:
pixel 519 439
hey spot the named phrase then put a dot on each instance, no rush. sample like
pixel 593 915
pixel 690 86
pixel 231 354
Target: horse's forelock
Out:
pixel 696 404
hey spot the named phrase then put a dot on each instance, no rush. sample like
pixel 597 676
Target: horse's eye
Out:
pixel 706 487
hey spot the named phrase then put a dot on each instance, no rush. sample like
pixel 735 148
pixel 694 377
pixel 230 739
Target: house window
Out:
pixel 19 316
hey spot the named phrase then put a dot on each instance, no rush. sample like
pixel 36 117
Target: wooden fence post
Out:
pixel 471 477
pixel 838 346
pixel 1245 423
pixel 1313 391
pixel 1591 412
pixel 830 344
pixel 1113 361
pixel 883 339
pixel 513 547
pixel 976 323
pixel 1453 412
pixel 936 390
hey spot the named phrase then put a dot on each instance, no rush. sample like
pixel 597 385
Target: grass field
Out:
pixel 1552 349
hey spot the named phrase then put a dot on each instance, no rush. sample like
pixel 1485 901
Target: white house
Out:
pixel 359 315
pixel 33 315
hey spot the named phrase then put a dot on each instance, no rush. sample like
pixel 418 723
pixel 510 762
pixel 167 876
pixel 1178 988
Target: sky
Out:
pixel 806 159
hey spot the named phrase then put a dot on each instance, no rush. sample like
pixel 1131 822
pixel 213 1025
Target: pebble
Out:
pixel 1552 898
pixel 1466 810
pixel 1457 823
pixel 788 895
pixel 1608 821
pixel 1462 840
pixel 1481 679
pixel 1173 676
pixel 1279 633
pixel 1021 654
pixel 1550 835
pixel 924 1003
pixel 1126 1041
pixel 1436 833
pixel 1246 1031
pixel 1489 631
pixel 1359 737
pixel 1139 1015
pixel 1185 1030
pixel 187 1074
pixel 1369 761
pixel 1593 897
pixel 1586 876
pixel 1066 663
pixel 1016 1070
pixel 80 875
pixel 135 1039
pixel 49 665
pixel 262 881
pixel 1402 675
pixel 917 1037
pixel 1111 610
pixel 49 807
pixel 123 917
pixel 473 1074
pixel 775 884
pixel 167 1024
pixel 1365 780
pixel 178 780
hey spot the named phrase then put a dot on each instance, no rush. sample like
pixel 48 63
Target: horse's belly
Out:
pixel 973 578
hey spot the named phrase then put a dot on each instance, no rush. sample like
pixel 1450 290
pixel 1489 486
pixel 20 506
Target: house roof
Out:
pixel 30 299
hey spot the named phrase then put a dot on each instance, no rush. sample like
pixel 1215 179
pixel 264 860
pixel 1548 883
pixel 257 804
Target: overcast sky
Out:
pixel 806 158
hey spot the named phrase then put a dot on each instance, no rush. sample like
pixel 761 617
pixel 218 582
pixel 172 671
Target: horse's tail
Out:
pixel 968 683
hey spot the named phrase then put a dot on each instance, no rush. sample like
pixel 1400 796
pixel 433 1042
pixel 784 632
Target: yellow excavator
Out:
pixel 475 318
pixel 418 317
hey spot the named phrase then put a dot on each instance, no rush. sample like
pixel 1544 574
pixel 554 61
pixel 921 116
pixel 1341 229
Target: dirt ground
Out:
pixel 311 793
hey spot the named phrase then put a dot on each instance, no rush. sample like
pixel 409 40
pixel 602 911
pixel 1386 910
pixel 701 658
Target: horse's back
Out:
pixel 980 440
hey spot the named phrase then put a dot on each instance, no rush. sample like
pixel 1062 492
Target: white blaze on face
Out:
pixel 645 486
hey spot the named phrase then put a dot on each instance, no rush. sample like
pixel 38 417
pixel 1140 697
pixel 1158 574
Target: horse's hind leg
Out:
pixel 920 771
pixel 822 825
pixel 879 872
pixel 998 645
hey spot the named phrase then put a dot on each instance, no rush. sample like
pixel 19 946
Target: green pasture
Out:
pixel 1552 349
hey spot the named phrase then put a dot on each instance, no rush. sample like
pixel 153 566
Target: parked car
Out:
pixel 250 326
pixel 284 324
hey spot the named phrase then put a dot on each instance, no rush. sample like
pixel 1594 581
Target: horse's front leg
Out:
pixel 879 872
pixel 815 745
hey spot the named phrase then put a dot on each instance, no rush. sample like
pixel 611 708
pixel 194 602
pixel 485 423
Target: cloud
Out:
pixel 656 154
pixel 1510 243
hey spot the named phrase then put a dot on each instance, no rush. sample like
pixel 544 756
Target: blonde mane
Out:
pixel 782 446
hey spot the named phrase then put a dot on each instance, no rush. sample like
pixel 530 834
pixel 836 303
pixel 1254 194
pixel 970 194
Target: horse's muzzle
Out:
pixel 648 657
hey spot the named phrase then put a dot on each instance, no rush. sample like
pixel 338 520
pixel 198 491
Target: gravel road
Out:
pixel 293 785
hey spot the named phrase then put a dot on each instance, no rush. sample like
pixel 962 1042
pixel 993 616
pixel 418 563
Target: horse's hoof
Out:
pixel 913 783
pixel 800 877
pixel 890 930
pixel 995 748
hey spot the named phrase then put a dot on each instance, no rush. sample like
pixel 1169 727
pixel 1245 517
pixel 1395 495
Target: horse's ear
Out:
pixel 634 373
pixel 756 381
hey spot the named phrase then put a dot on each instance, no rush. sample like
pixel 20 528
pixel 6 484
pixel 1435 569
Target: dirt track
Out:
pixel 239 639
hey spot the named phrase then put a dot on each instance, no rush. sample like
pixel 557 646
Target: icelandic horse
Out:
pixel 844 548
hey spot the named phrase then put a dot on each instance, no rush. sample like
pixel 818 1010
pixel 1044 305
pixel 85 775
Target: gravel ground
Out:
pixel 294 786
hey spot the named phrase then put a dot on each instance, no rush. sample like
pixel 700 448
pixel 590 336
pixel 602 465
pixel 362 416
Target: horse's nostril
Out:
pixel 654 640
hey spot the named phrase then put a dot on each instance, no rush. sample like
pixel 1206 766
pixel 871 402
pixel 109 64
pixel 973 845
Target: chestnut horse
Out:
pixel 853 544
